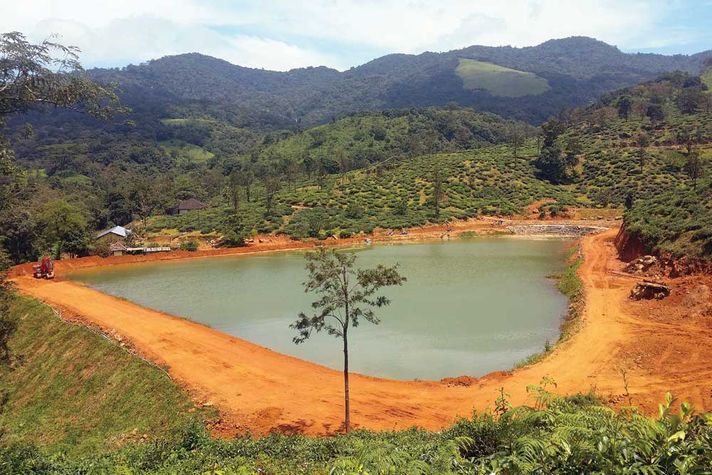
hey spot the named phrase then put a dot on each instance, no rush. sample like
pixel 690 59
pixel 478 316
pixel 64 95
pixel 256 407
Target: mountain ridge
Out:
pixel 578 69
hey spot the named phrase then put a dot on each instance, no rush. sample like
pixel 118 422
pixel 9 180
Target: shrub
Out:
pixel 189 246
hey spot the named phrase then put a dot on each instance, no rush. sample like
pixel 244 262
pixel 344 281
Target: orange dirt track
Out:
pixel 259 390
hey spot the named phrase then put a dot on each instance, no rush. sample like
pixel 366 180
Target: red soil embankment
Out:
pixel 259 390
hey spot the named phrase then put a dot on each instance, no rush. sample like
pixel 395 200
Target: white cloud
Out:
pixel 282 34
pixel 141 38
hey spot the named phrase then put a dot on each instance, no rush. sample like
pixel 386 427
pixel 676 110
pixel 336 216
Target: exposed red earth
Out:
pixel 660 345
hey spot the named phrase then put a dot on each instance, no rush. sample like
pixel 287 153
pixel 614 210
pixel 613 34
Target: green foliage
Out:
pixel 499 80
pixel 389 169
pixel 48 73
pixel 233 232
pixel 556 162
pixel 186 153
pixel 71 390
pixel 707 77
pixel 189 246
pixel 367 139
pixel 347 296
pixel 569 282
pixel 559 436
pixel 63 228
pixel 677 220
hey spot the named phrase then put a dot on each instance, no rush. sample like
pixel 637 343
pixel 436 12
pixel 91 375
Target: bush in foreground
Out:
pixel 557 435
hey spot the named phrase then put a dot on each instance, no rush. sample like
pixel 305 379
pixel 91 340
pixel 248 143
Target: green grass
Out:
pixel 568 282
pixel 185 152
pixel 75 391
pixel 181 122
pixel 499 80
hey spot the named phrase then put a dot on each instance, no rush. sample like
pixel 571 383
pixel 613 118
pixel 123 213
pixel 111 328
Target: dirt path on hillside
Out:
pixel 259 390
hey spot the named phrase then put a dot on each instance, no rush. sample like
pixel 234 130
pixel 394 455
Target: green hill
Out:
pixel 498 80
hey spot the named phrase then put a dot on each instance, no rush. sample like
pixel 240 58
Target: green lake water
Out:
pixel 469 307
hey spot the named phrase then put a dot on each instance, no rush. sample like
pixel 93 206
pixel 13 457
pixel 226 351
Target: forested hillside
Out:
pixel 236 138
pixel 625 150
pixel 574 71
pixel 390 169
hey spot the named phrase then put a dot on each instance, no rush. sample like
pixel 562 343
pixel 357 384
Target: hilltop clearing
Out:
pixel 498 80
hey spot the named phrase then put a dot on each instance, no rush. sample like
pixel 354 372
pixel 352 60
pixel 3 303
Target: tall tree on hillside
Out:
pixel 272 185
pixel 147 197
pixel 346 295
pixel 343 161
pixel 552 163
pixel 655 113
pixel 624 106
pixel 693 166
pixel 64 228
pixel 233 185
pixel 37 76
pixel 516 134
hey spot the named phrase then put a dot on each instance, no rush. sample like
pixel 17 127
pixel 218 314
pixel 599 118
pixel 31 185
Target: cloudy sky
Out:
pixel 284 34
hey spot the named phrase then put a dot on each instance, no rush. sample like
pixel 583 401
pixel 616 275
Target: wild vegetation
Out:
pixel 577 70
pixel 393 168
pixel 554 435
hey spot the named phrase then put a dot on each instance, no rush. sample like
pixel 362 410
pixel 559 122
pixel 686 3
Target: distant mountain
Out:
pixel 530 83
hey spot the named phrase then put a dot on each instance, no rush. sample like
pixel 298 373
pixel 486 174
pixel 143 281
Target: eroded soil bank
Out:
pixel 661 346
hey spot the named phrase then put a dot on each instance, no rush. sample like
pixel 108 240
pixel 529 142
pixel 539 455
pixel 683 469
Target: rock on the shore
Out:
pixel 641 265
pixel 649 290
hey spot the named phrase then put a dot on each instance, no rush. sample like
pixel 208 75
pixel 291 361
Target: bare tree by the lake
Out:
pixel 346 295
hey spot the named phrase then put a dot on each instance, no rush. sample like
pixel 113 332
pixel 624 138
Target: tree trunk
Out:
pixel 347 416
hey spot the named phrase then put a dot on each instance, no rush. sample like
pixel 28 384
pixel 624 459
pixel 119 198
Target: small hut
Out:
pixel 118 248
pixel 187 206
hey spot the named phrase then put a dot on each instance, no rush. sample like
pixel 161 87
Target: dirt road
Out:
pixel 259 390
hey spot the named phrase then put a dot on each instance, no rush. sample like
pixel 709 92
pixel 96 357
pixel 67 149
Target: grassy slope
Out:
pixel 499 80
pixel 186 153
pixel 677 221
pixel 77 391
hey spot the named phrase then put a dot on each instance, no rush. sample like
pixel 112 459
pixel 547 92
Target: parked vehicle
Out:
pixel 44 269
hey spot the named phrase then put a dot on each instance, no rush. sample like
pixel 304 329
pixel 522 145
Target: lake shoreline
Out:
pixel 461 284
pixel 281 243
pixel 258 390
